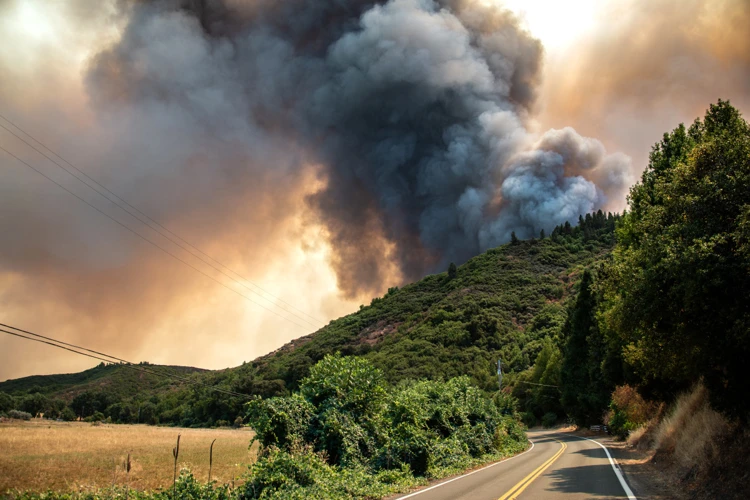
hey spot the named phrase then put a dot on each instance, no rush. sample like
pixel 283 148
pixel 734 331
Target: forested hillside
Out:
pixel 508 303
pixel 115 379
pixel 126 393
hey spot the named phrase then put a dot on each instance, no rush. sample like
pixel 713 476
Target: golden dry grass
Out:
pixel 67 456
pixel 692 432
pixel 635 436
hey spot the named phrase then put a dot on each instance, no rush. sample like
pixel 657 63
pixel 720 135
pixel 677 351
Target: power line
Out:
pixel 150 222
pixel 125 363
pixel 109 359
pixel 149 241
pixel 541 385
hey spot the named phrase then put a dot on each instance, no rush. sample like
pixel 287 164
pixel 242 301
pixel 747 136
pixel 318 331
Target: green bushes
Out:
pixel 303 474
pixel 346 424
pixel 20 415
pixel 628 411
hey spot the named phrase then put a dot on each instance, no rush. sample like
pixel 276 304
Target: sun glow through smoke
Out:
pixel 557 24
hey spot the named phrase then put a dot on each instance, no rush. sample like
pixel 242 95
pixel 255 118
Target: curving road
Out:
pixel 559 465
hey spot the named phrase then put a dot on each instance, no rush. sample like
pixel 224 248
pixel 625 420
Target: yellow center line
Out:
pixel 525 482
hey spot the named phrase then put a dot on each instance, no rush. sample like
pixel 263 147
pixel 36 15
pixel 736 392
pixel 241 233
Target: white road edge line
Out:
pixel 468 474
pixel 615 467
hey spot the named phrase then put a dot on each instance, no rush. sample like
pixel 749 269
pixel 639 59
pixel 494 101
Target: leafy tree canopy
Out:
pixel 679 285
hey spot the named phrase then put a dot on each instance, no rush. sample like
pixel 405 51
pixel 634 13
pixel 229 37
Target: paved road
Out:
pixel 559 465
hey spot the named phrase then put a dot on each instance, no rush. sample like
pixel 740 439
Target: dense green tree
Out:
pixel 538 388
pixel 67 414
pixel 585 388
pixel 34 403
pixel 6 402
pixel 87 403
pixel 680 284
pixel 54 408
pixel 148 414
pixel 452 271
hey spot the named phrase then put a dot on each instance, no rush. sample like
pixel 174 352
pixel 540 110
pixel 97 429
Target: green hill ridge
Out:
pixel 503 304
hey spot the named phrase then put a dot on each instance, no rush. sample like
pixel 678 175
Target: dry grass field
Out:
pixel 68 456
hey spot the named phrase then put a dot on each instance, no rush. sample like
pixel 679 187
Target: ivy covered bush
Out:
pixel 348 433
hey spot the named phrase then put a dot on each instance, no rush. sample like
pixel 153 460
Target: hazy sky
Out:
pixel 138 101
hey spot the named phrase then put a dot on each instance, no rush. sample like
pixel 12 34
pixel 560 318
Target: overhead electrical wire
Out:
pixel 541 385
pixel 152 242
pixel 153 224
pixel 28 335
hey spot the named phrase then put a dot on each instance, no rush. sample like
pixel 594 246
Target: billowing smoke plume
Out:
pixel 413 112
pixel 646 66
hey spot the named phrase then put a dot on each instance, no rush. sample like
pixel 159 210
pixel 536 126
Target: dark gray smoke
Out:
pixel 414 111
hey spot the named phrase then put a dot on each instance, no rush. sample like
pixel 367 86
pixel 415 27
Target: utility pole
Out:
pixel 499 374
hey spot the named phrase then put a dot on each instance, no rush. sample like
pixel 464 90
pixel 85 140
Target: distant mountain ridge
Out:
pixel 114 378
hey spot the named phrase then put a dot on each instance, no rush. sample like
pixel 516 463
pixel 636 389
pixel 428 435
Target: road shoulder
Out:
pixel 447 479
pixel 645 476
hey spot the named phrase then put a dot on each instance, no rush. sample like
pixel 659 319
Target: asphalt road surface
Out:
pixel 559 465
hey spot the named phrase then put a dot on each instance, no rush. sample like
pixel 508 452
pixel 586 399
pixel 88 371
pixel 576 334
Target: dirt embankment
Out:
pixel 690 453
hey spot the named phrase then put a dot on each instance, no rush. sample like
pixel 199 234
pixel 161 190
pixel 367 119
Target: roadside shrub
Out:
pixel 549 419
pixel 281 471
pixel 303 474
pixel 280 421
pixel 628 411
pixel 618 423
pixel 637 410
pixel 189 488
pixel 506 404
pixel 509 437
pixel 345 425
pixel 448 455
pixel 19 415
pixel 528 418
